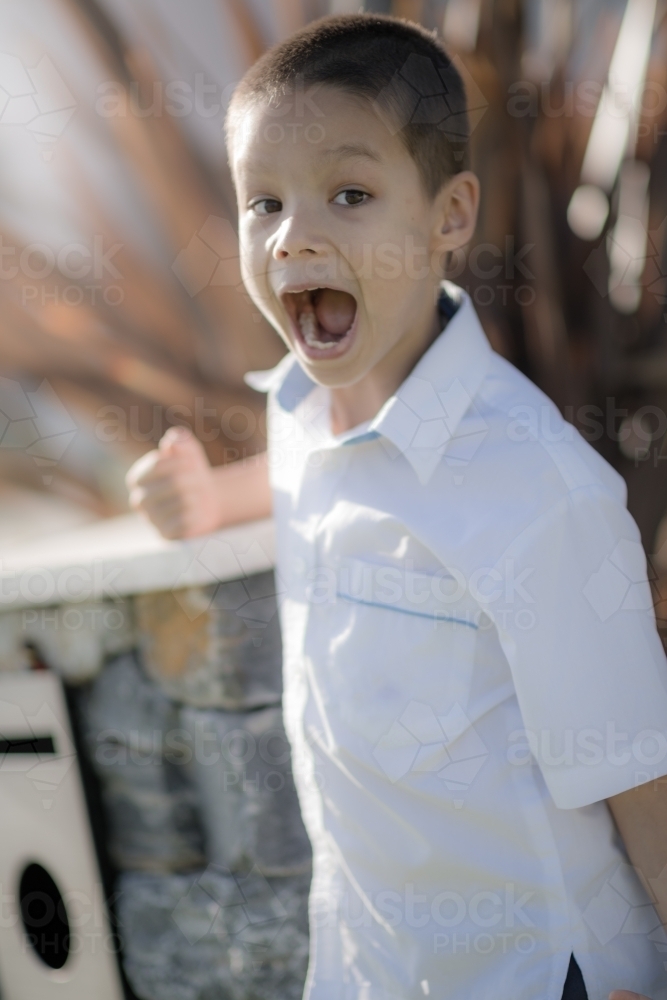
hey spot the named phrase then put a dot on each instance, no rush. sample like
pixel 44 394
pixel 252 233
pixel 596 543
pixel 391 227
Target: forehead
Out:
pixel 324 125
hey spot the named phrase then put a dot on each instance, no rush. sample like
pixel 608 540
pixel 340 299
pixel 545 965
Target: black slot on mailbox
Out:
pixel 27 745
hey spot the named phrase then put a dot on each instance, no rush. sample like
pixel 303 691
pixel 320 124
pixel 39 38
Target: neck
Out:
pixel 354 404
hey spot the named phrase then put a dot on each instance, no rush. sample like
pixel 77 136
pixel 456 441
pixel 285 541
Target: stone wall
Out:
pixel 178 703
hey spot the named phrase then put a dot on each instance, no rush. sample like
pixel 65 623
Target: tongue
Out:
pixel 334 310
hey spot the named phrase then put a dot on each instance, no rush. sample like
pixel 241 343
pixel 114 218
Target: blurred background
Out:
pixel 121 310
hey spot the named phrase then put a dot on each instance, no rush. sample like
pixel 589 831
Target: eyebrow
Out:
pixel 349 150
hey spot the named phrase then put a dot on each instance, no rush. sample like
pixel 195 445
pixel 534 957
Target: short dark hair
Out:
pixel 398 66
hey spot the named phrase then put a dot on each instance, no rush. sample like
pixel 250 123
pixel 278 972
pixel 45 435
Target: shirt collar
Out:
pixel 423 415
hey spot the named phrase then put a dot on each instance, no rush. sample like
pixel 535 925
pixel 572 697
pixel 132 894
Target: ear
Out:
pixel 456 205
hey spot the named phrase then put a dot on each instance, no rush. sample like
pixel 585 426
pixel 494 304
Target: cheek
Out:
pixel 248 269
pixel 253 262
pixel 253 274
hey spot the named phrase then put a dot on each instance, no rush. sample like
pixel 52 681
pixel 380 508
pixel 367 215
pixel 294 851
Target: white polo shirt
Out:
pixel 471 667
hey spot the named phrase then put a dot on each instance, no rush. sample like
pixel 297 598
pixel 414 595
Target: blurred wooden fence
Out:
pixel 125 159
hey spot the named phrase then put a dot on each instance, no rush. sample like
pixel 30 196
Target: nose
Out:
pixel 295 238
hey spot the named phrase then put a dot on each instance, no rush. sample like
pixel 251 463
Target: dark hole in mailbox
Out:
pixel 44 916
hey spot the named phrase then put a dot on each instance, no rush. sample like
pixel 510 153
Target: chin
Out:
pixel 340 374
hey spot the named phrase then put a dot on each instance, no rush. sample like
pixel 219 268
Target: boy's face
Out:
pixel 341 248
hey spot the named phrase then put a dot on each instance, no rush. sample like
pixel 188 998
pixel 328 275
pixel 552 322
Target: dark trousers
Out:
pixel 574 988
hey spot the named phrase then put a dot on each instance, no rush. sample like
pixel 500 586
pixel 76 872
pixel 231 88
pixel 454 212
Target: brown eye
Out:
pixel 266 206
pixel 351 196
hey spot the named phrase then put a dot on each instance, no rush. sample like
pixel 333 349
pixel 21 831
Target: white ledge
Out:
pixel 127 555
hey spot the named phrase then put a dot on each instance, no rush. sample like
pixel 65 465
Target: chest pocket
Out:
pixel 439 598
pixel 394 641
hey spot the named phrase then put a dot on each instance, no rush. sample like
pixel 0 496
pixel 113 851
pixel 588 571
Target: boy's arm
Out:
pixel 641 817
pixel 179 491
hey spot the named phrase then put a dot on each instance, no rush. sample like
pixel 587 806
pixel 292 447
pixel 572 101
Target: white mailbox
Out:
pixel 55 935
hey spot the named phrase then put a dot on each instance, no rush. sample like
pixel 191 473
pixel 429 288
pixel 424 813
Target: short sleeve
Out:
pixel 578 628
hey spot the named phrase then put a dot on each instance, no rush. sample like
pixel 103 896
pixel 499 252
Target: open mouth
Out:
pixel 323 317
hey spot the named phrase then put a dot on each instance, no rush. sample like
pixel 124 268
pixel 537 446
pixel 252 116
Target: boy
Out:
pixel 473 680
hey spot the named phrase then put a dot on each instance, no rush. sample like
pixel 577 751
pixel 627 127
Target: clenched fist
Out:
pixel 175 486
pixel 179 491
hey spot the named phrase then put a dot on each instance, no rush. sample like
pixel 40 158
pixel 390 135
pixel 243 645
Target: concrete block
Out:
pixel 13 654
pixel 75 639
pixel 250 810
pixel 214 936
pixel 216 646
pixel 145 772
